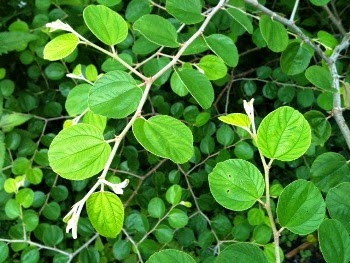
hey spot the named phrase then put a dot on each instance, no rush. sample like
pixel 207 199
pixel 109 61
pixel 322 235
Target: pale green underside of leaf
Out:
pixel 10 41
pixel 301 208
pixel 78 152
pixel 223 47
pixel 236 119
pixel 105 24
pixel 106 213
pixel 284 134
pixel 236 184
pixel 328 170
pixel 320 77
pixel 274 33
pixel 157 30
pixel 115 95
pixel 334 241
pixel 186 11
pixel 242 252
pixel 296 58
pixel 241 18
pixel 77 99
pixel 165 136
pixel 170 255
pixel 61 46
pixel 198 85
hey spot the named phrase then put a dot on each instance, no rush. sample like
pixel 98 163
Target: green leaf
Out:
pixel 25 197
pixel 284 134
pixel 327 39
pixel 296 58
pixel 186 11
pixel 106 213
pixel 121 249
pixel 177 85
pixel 274 33
pixel 236 184
pixel 237 119
pixel 198 85
pixel 153 66
pixel 10 120
pixel 177 218
pixel 320 127
pixel 241 18
pixel 173 194
pixel 77 100
pixel 165 136
pixel 61 46
pixel 78 152
pixel 115 95
pixel 223 47
pixel 338 204
pixel 52 236
pixel 12 209
pixel 10 41
pixel 225 135
pixel 137 9
pixel 214 67
pixel 334 241
pixel 105 24
pixel 320 2
pixel 320 77
pixel 301 208
pixel 157 30
pixel 328 170
pixel 241 253
pixel 156 207
pixel 170 255
pixel 4 251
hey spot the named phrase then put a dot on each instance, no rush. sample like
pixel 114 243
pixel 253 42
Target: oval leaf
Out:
pixel 296 58
pixel 320 127
pixel 328 170
pixel 61 46
pixel 106 213
pixel 301 208
pixel 236 184
pixel 274 33
pixel 338 204
pixel 214 67
pixel 334 241
pixel 223 47
pixel 157 30
pixel 165 136
pixel 320 2
pixel 320 77
pixel 78 152
pixel 237 119
pixel 284 134
pixel 186 11
pixel 105 24
pixel 170 255
pixel 115 95
pixel 198 85
pixel 77 99
pixel 241 18
pixel 241 253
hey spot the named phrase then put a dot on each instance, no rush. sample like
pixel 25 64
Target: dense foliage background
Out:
pixel 33 92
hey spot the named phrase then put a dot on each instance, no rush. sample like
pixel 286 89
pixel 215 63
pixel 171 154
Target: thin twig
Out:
pixel 295 8
pixel 337 22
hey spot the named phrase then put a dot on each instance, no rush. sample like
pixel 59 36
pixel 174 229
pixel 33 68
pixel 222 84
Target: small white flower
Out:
pixel 58 24
pixel 73 218
pixel 118 188
pixel 249 108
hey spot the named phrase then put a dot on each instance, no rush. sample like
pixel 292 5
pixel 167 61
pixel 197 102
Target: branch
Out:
pixel 337 22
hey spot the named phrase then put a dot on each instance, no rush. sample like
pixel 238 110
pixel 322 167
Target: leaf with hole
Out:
pixel 78 152
pixel 236 184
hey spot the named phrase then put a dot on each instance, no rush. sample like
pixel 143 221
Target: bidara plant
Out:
pixel 164 40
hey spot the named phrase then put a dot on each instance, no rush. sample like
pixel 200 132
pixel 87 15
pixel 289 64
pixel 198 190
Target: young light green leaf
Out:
pixel 165 136
pixel 328 170
pixel 284 134
pixel 114 95
pixel 320 77
pixel 157 30
pixel 105 24
pixel 237 119
pixel 78 152
pixel 301 208
pixel 241 252
pixel 320 2
pixel 334 241
pixel 214 67
pixel 338 204
pixel 106 213
pixel 223 47
pixel 236 184
pixel 198 85
pixel 274 33
pixel 241 18
pixel 320 127
pixel 170 255
pixel 77 99
pixel 186 11
pixel 61 46
pixel 296 58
